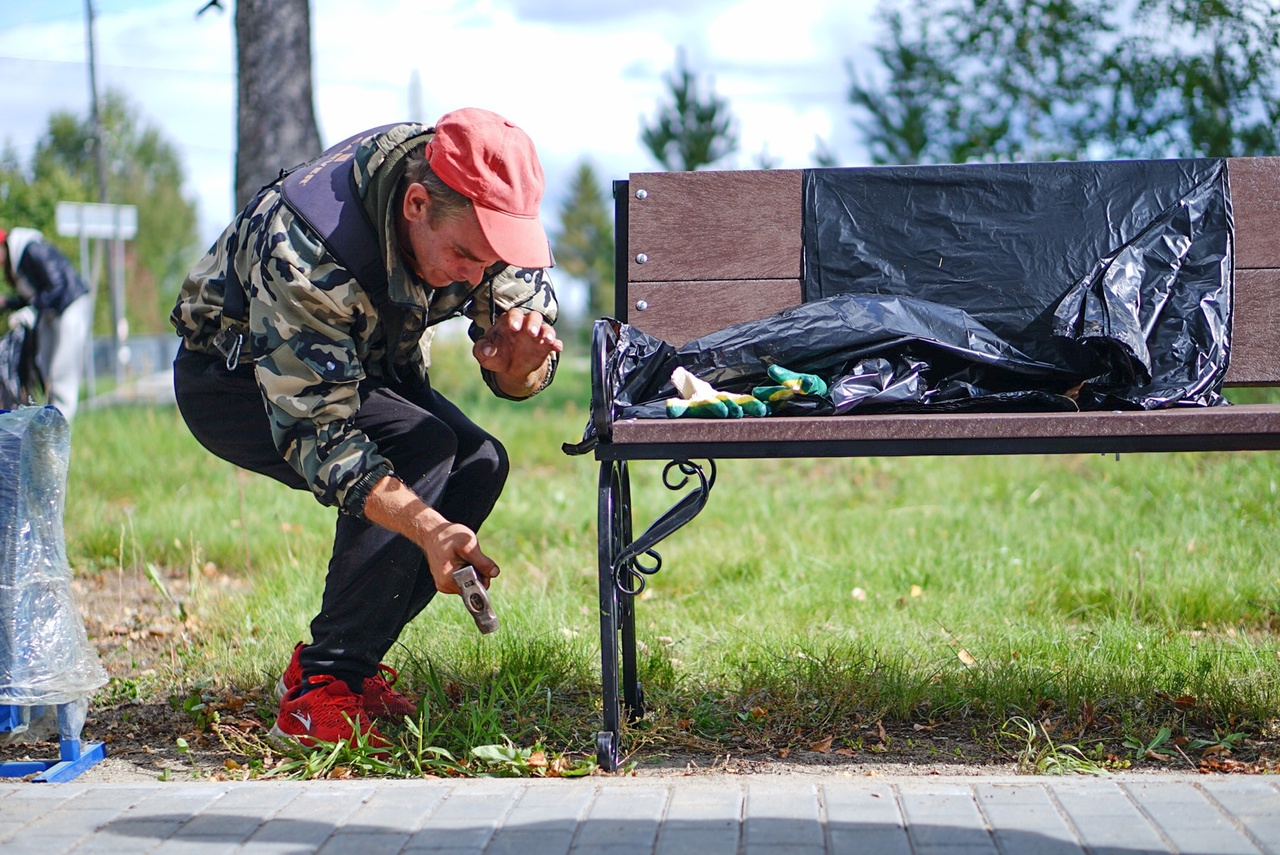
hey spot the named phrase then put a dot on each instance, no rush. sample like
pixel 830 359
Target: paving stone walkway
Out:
pixel 800 814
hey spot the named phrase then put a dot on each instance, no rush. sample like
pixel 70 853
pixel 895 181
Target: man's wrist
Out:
pixel 519 387
pixel 357 497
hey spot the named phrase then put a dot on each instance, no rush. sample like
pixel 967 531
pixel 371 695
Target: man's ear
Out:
pixel 417 201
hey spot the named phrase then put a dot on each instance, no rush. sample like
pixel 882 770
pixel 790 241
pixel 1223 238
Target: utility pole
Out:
pixel 95 116
pixel 115 258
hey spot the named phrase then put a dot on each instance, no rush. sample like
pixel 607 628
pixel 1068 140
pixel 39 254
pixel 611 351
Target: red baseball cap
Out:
pixel 493 163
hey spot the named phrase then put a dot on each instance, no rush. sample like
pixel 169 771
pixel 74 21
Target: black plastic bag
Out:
pixel 1117 271
pixel 20 378
pixel 961 363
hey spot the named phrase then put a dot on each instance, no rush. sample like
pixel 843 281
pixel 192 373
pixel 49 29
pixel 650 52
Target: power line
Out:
pixel 228 76
pixel 149 69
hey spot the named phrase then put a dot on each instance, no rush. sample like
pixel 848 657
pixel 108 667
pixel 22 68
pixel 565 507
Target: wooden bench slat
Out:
pixel 1245 426
pixel 1255 330
pixel 678 312
pixel 1255 204
pixel 699 221
pixel 695 221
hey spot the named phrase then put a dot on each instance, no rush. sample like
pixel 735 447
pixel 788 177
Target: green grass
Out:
pixel 810 597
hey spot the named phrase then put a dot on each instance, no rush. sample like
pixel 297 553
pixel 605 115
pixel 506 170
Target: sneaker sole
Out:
pixel 276 733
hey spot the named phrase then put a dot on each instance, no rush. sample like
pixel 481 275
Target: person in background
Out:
pixel 304 358
pixel 52 298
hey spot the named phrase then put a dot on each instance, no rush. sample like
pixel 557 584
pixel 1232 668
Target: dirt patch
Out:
pixel 140 622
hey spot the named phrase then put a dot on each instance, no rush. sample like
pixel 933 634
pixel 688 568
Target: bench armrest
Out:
pixel 604 338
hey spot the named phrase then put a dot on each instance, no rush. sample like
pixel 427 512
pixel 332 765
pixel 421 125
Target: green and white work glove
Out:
pixel 789 385
pixel 700 400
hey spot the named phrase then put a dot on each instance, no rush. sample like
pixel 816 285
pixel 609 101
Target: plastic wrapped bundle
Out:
pixel 45 654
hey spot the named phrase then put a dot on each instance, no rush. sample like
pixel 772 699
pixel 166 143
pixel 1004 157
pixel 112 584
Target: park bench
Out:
pixel 700 251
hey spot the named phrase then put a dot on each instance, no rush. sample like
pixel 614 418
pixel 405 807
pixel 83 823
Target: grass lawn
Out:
pixel 1019 608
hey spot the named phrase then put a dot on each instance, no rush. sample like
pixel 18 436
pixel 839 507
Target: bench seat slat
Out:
pixel 1239 427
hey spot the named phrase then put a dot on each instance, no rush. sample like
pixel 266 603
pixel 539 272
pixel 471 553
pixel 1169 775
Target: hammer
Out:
pixel 476 599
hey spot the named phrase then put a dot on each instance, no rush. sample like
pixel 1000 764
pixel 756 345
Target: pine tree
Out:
pixel 584 244
pixel 690 130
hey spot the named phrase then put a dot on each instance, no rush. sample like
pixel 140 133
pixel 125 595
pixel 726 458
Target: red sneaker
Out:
pixel 379 698
pixel 329 712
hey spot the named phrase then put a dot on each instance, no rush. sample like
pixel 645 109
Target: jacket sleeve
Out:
pixel 306 316
pixel 514 287
pixel 52 275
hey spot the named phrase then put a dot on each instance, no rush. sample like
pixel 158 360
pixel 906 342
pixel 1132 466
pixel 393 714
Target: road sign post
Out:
pixel 114 223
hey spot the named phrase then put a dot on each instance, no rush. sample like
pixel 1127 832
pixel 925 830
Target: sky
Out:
pixel 578 75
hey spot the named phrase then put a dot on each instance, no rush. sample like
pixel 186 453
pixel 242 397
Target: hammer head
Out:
pixel 476 599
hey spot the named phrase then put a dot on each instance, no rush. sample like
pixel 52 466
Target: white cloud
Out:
pixel 577 75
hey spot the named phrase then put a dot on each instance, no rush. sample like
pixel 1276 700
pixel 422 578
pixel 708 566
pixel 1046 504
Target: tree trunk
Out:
pixel 275 116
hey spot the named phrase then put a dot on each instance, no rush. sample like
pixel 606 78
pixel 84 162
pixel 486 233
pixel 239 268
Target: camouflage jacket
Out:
pixel 314 333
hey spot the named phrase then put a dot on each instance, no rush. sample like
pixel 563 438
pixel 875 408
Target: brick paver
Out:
pixel 806 814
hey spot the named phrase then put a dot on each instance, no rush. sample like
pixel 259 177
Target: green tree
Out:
pixel 691 130
pixel 584 243
pixel 26 200
pixel 905 116
pixel 1198 78
pixel 143 169
pixel 964 80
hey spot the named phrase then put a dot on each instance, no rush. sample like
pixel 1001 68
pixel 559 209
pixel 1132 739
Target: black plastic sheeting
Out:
pixel 1043 286
pixel 874 350
pixel 20 380
pixel 1119 271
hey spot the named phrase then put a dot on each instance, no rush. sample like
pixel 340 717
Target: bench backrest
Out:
pixel 699 251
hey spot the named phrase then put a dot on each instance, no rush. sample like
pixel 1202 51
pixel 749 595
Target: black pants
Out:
pixel 378 581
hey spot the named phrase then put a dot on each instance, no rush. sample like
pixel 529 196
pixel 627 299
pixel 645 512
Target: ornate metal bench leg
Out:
pixel 632 691
pixel 609 533
pixel 622 577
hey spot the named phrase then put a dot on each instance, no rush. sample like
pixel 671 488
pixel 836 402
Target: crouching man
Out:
pixel 305 353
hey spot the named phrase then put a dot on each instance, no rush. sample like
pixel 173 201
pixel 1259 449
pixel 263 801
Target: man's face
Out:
pixel 445 252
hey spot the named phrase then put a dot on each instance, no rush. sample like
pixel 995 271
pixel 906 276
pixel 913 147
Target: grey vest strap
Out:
pixel 323 194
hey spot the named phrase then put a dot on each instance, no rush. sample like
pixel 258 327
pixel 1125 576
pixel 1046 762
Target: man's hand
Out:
pixel 451 546
pixel 515 349
pixel 446 545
